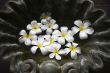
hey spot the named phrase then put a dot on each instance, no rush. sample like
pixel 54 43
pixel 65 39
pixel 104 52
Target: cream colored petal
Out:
pixel 34 49
pixel 78 23
pixel 64 29
pixel 29 27
pixel 83 35
pixel 51 55
pixel 61 40
pixel 58 57
pixel 22 32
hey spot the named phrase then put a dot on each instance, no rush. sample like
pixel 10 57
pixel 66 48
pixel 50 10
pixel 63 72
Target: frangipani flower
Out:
pixel 56 52
pixel 26 38
pixel 39 44
pixel 34 27
pixel 83 29
pixel 45 17
pixel 50 39
pixel 49 26
pixel 63 35
pixel 73 49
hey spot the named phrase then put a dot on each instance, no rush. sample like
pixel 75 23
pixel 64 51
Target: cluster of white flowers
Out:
pixel 47 37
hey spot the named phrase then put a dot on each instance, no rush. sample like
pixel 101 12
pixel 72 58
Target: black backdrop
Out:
pixel 103 4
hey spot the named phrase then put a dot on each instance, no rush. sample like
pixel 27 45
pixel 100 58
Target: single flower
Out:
pixel 40 43
pixel 34 27
pixel 45 17
pixel 49 26
pixel 63 35
pixel 83 29
pixel 26 38
pixel 72 49
pixel 50 39
pixel 56 52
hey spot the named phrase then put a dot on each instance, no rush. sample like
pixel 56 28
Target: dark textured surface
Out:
pixel 103 4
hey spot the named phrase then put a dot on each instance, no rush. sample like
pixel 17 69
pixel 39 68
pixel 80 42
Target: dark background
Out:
pixel 103 4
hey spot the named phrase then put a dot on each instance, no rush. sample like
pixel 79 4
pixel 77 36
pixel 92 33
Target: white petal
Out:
pixel 61 40
pixel 78 23
pixel 33 32
pixel 74 44
pixel 49 18
pixel 40 39
pixel 68 45
pixel 49 31
pixel 39 24
pixel 73 55
pixel 22 32
pixel 56 46
pixel 70 38
pixel 51 55
pixel 34 22
pixel 62 52
pixel 83 35
pixel 21 39
pixel 44 21
pixel 34 42
pixel 45 43
pixel 75 30
pixel 57 33
pixel 89 30
pixel 55 26
pixel 28 42
pixel 34 49
pixel 44 51
pixel 67 50
pixel 44 27
pixel 54 37
pixel 78 50
pixel 47 37
pixel 34 37
pixel 52 21
pixel 86 24
pixel 49 48
pixel 38 31
pixel 64 29
pixel 29 27
pixel 58 57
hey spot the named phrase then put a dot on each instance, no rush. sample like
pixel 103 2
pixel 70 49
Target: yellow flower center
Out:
pixel 49 25
pixel 40 45
pixel 51 41
pixel 63 34
pixel 35 26
pixel 56 51
pixel 45 17
pixel 27 36
pixel 72 48
pixel 81 28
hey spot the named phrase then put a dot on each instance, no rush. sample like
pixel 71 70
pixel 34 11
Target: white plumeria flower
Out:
pixel 50 39
pixel 56 52
pixel 83 29
pixel 49 26
pixel 39 44
pixel 63 35
pixel 34 27
pixel 45 18
pixel 72 49
pixel 26 38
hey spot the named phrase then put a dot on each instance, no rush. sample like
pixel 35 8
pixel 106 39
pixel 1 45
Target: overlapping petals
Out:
pixel 53 39
pixel 73 49
pixel 26 38
pixel 63 35
pixel 83 29
pixel 34 27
